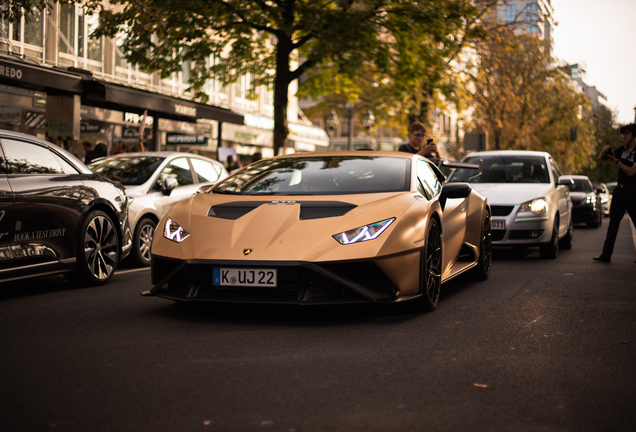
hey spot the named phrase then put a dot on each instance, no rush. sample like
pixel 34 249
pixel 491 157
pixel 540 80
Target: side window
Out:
pixel 206 171
pixel 180 170
pixel 27 158
pixel 428 179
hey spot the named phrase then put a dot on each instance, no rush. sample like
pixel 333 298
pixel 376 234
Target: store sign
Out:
pixel 137 118
pixel 185 110
pixel 10 72
pixel 91 127
pixel 10 115
pixel 177 139
pixel 133 132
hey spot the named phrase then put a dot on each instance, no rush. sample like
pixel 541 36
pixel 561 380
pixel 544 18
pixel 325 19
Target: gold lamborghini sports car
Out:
pixel 318 228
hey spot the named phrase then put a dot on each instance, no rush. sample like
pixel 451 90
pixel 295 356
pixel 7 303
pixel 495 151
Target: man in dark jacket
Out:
pixel 624 195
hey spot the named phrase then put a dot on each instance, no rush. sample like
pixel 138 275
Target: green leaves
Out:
pixel 526 103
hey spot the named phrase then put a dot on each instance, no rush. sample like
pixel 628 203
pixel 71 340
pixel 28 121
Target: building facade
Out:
pixel 58 83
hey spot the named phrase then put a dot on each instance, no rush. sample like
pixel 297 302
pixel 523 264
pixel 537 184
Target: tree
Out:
pixel 405 88
pixel 525 103
pixel 607 133
pixel 266 38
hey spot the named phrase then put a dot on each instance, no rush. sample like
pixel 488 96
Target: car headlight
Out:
pixel 173 231
pixel 536 206
pixel 367 232
pixel 590 199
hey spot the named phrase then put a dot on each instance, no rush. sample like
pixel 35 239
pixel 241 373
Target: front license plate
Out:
pixel 498 224
pixel 244 277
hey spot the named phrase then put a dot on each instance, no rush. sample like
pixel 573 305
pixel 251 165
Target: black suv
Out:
pixel 56 216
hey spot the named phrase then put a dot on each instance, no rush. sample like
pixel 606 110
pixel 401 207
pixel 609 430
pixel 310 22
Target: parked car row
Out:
pixel 57 216
pixel 307 228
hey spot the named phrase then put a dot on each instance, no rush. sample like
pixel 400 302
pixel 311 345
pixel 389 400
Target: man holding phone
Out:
pixel 624 195
pixel 417 132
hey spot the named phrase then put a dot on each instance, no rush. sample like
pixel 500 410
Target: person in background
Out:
pixel 232 165
pixel 100 151
pixel 88 157
pixel 257 156
pixel 417 134
pixel 624 195
pixel 527 174
pixel 121 148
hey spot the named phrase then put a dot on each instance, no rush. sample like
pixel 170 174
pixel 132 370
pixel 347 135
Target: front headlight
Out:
pixel 590 199
pixel 536 206
pixel 173 231
pixel 367 232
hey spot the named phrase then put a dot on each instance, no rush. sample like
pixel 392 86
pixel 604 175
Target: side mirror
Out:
pixel 599 190
pixel 168 185
pixel 454 190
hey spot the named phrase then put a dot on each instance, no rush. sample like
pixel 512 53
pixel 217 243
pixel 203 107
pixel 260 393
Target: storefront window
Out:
pixel 33 29
pixel 67 28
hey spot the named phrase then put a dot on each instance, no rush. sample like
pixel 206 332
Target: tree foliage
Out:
pixel 277 41
pixel 419 70
pixel 525 103
pixel 607 133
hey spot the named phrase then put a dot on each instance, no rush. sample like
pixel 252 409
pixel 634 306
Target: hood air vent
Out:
pixel 308 209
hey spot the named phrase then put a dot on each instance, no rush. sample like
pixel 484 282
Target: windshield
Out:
pixel 581 185
pixel 316 175
pixel 504 169
pixel 130 171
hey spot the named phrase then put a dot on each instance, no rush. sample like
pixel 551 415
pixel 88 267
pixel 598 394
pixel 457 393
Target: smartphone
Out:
pixel 430 140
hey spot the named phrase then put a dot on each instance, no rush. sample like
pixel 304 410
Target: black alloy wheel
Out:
pixel 431 268
pixel 142 241
pixel 482 271
pixel 98 250
pixel 551 250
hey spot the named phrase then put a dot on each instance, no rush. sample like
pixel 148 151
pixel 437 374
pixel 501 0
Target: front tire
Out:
pixel 142 241
pixel 431 268
pixel 566 242
pixel 551 250
pixel 97 251
pixel 482 271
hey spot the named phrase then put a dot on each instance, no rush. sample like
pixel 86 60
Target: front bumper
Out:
pixel 298 282
pixel 519 229
pixel 584 214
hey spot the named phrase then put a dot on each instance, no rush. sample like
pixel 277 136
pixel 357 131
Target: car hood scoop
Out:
pixel 308 209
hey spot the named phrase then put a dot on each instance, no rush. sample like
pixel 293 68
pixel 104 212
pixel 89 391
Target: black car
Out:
pixel 56 216
pixel 586 202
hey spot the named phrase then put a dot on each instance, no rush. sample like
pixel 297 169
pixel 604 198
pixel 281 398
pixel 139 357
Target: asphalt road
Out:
pixel 543 345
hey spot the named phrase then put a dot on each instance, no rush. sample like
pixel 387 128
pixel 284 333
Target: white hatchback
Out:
pixel 154 182
pixel 530 205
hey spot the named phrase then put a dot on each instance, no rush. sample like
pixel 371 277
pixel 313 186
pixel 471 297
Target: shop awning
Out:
pixel 51 80
pixel 103 94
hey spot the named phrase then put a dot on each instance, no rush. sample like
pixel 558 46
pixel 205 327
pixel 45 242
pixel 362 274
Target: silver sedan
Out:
pixel 530 203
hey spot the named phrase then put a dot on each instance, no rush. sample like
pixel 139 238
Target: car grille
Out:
pixel 296 283
pixel 501 210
